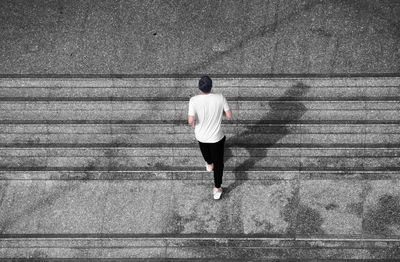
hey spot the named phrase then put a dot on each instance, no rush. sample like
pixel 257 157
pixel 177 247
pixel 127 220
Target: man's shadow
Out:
pixel 284 110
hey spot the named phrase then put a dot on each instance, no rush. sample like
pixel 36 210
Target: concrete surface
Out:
pixel 203 249
pixel 288 124
pixel 160 206
pixel 293 207
pixel 182 158
pixel 61 138
pixel 311 170
pixel 283 218
pixel 336 138
pixel 167 111
pixel 189 37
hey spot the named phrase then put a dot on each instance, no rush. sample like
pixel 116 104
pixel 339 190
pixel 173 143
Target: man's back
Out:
pixel 205 115
pixel 208 109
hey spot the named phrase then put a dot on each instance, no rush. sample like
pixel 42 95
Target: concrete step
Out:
pixel 184 158
pixel 12 116
pixel 239 106
pixel 182 88
pixel 285 206
pixel 30 134
pixel 179 82
pixel 184 129
pixel 107 140
pixel 277 134
pixel 235 175
pixel 284 215
pixel 201 249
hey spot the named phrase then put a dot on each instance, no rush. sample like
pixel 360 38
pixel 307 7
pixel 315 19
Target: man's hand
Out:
pixel 227 114
pixel 191 121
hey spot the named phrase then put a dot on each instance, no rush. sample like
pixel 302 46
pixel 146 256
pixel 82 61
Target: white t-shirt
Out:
pixel 207 110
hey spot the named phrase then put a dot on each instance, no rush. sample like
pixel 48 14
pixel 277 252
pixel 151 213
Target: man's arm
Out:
pixel 191 121
pixel 191 113
pixel 228 113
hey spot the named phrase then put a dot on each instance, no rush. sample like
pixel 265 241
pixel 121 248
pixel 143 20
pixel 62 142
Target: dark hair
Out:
pixel 205 84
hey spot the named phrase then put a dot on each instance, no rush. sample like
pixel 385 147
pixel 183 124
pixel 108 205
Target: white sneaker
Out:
pixel 208 169
pixel 217 195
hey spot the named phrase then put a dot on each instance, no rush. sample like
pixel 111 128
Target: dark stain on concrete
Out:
pixel 29 141
pixel 309 221
pixel 160 166
pixel 111 155
pixel 289 212
pixel 175 224
pixel 378 220
pixel 3 191
pixel 90 166
pixel 321 32
pixel 331 206
pixel 60 5
pixel 355 208
pixel 263 225
pixel 38 254
pixel 332 61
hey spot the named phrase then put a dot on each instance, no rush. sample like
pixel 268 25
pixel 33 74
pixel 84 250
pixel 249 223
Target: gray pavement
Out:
pixel 194 37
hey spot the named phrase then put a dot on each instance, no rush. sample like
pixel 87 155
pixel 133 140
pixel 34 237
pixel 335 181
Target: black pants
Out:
pixel 213 153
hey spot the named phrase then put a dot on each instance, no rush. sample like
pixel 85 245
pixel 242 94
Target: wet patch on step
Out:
pixel 385 218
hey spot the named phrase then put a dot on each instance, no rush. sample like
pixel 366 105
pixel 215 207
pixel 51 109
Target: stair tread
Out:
pixel 286 208
pixel 197 175
pixel 160 249
pixel 184 122
pixel 193 81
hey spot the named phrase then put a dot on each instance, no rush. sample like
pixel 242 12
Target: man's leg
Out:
pixel 205 151
pixel 217 153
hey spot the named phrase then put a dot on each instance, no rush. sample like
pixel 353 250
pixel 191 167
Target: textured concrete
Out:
pixel 109 168
pixel 330 207
pixel 180 37
pixel 185 138
pixel 249 111
pixel 235 175
pixel 309 219
pixel 382 209
pixel 290 124
pixel 156 207
pixel 316 208
pixel 179 88
pixel 204 249
pixel 104 134
pixel 180 158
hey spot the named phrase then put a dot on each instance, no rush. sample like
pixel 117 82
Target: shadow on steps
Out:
pixel 278 111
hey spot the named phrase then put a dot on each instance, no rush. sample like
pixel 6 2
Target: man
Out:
pixel 205 115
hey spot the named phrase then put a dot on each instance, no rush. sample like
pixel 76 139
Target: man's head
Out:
pixel 205 84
